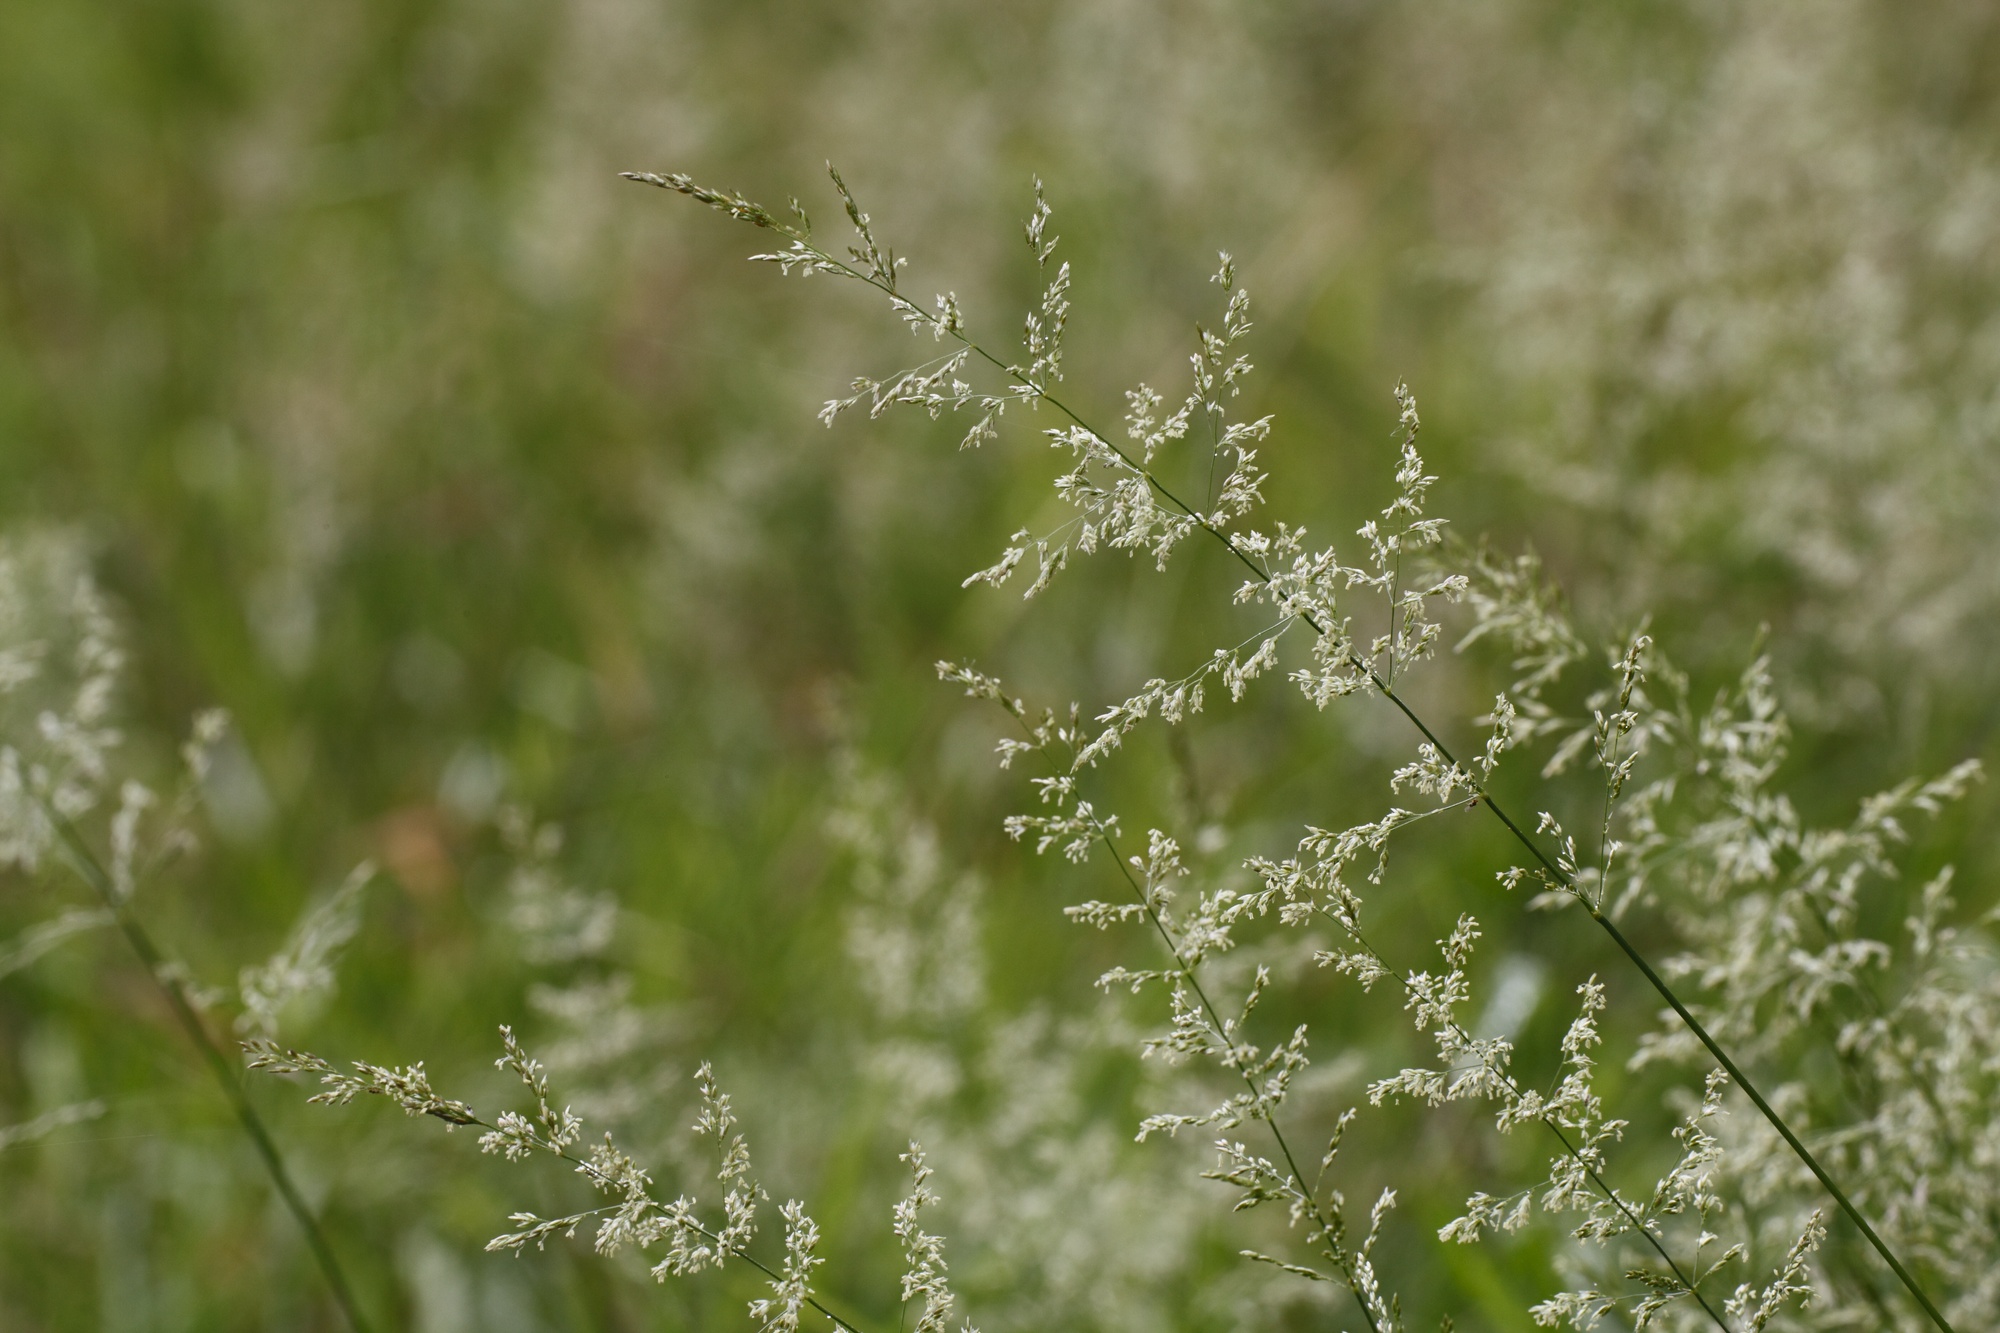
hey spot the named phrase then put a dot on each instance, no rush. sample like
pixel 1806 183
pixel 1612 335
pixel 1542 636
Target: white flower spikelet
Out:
pixel 925 1273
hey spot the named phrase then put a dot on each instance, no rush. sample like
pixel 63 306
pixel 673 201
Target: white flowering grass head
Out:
pixel 1685 826
pixel 1121 503
pixel 60 662
pixel 304 966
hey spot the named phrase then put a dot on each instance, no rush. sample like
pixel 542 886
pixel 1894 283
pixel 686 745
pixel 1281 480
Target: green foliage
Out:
pixel 473 481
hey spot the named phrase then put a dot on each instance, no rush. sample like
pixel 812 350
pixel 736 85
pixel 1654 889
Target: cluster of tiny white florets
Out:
pixel 1260 1077
pixel 304 965
pixel 60 661
pixel 925 1273
pixel 637 1217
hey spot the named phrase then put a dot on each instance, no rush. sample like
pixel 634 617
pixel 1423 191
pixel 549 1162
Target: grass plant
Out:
pixel 1692 1240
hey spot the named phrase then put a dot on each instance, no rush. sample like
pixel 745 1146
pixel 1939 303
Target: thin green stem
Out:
pixel 1187 973
pixel 80 858
pixel 1395 623
pixel 1327 1227
pixel 1777 1122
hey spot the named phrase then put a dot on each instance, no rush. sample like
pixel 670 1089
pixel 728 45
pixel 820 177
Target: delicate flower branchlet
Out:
pixel 1471 1067
pixel 635 1217
pixel 1793 1279
pixel 1197 1030
pixel 1501 739
pixel 1513 602
pixel 1259 1181
pixel 1175 701
pixel 408 1087
pixel 304 966
pixel 925 1273
pixel 1432 774
pixel 1192 934
pixel 516 1136
pixel 740 1190
pixel 1311 585
pixel 1119 503
pixel 792 1288
pixel 1044 332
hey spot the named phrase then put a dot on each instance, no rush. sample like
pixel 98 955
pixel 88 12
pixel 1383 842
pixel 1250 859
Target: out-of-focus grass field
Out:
pixel 462 472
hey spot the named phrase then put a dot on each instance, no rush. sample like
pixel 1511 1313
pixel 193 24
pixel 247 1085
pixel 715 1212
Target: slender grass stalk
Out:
pixel 1328 1227
pixel 88 868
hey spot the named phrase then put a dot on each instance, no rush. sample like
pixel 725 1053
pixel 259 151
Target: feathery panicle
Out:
pixel 1685 820
pixel 303 968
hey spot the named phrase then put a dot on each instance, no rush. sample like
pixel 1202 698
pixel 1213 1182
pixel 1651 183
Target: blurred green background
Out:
pixel 466 474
